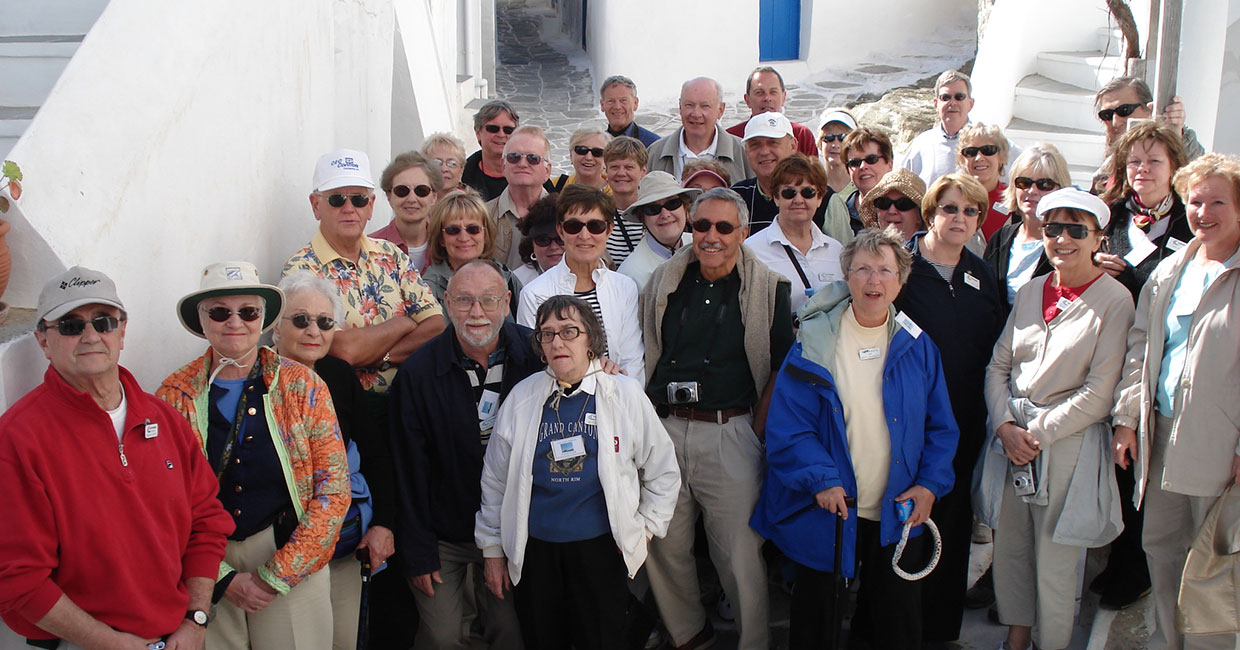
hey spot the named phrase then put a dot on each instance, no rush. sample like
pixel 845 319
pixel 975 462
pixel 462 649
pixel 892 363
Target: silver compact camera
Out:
pixel 1024 483
pixel 682 392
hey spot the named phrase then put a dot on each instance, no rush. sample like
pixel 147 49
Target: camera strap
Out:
pixel 934 559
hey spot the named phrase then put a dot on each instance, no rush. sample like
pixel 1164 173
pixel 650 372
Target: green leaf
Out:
pixel 4 204
pixel 11 170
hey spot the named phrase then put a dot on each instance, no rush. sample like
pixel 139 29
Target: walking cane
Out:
pixel 363 619
pixel 839 591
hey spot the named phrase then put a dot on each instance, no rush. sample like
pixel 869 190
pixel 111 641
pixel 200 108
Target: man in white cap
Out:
pixel 768 140
pixel 765 93
pixel 89 557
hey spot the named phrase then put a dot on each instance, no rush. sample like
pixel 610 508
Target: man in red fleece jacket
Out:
pixel 112 533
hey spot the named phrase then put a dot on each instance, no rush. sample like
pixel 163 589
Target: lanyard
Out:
pixel 238 420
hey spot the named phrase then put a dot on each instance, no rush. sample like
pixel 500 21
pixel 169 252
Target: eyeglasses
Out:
pixel 947 97
pixel 871 160
pixel 574 226
pixel 651 209
pixel 724 227
pixel 495 128
pixel 454 229
pixel 402 191
pixel 302 321
pixel 358 200
pixel 986 150
pixel 903 204
pixel 1123 110
pixel 582 150
pixel 567 334
pixel 544 241
pixel 1044 184
pixel 222 314
pixel 466 303
pixel 1075 230
pixel 865 272
pixel 450 163
pixel 531 158
pixel 833 137
pixel 791 192
pixel 75 326
pixel 952 210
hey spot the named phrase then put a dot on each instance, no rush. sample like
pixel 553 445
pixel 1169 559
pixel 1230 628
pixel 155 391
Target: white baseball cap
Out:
pixel 343 168
pixel 1077 199
pixel 837 115
pixel 767 125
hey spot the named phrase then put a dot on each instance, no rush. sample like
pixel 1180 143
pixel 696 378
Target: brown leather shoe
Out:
pixel 701 640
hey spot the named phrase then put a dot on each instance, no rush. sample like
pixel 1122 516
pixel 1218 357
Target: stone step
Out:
pixel 1088 70
pixel 1077 146
pixel 1111 41
pixel 31 68
pixel 1046 101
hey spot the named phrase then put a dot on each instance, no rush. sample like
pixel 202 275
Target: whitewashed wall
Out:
pixel 1226 127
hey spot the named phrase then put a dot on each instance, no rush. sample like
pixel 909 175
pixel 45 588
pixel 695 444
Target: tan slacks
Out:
pixel 721 475
pixel 346 595
pixel 1035 578
pixel 298 620
pixel 1171 524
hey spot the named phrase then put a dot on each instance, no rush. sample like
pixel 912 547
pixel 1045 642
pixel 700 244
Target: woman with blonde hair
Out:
pixel 462 230
pixel 448 152
pixel 585 152
pixel 982 152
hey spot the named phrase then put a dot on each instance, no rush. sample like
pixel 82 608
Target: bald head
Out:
pixel 477 300
pixel 701 106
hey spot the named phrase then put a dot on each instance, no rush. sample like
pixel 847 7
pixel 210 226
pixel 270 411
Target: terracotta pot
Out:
pixel 6 261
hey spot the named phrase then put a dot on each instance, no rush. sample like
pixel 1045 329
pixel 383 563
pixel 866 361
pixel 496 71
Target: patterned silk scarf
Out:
pixel 1143 216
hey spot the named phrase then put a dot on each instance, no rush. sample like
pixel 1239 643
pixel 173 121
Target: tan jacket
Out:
pixel 1205 435
pixel 1070 366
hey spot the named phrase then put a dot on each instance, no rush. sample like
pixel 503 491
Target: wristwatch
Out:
pixel 197 617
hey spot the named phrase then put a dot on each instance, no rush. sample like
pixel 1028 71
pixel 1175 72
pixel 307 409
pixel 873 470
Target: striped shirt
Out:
pixel 591 297
pixel 486 384
pixel 625 237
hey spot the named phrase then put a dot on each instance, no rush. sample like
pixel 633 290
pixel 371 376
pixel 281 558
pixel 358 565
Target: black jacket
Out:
pixel 436 444
pixel 998 255
pixel 1134 277
pixel 964 322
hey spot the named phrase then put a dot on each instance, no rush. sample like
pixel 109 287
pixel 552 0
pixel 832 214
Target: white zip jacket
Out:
pixel 617 298
pixel 636 467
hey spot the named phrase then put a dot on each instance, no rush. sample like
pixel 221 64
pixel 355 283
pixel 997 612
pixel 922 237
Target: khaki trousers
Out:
pixel 1171 524
pixel 346 595
pixel 720 476
pixel 1035 578
pixel 298 620
pixel 446 616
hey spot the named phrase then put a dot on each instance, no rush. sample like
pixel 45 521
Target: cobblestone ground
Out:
pixel 549 83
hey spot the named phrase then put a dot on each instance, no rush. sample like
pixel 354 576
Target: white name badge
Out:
pixel 1000 208
pixel 907 323
pixel 1175 244
pixel 568 448
pixel 151 431
pixel 972 281
pixel 591 419
pixel 1063 304
pixel 826 277
pixel 487 408
pixel 867 354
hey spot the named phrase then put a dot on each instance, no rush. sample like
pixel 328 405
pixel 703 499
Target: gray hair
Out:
pixel 871 240
pixel 491 110
pixel 298 282
pixel 952 76
pixel 718 88
pixel 443 140
pixel 975 131
pixel 1137 84
pixel 618 80
pixel 722 194
pixel 561 307
pixel 531 130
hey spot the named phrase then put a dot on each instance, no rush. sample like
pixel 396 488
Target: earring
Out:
pixel 590 354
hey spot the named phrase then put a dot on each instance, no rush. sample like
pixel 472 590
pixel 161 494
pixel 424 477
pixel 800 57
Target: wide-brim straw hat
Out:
pixel 656 186
pixel 900 180
pixel 230 279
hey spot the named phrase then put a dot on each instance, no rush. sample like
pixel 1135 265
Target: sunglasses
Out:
pixel 567 334
pixel 903 204
pixel 544 241
pixel 402 191
pixel 724 227
pixel 947 97
pixel 1044 184
pixel 574 226
pixel 1123 110
pixel 1075 230
pixel 582 150
pixel 531 158
pixel 358 200
pixel 454 229
pixel 495 128
pixel 871 160
pixel 791 192
pixel 222 314
pixel 953 210
pixel 75 326
pixel 651 209
pixel 986 150
pixel 833 137
pixel 450 163
pixel 302 321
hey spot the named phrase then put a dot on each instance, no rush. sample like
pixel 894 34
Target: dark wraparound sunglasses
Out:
pixel 302 321
pixel 986 150
pixel 358 200
pixel 222 314
pixel 724 227
pixel 651 209
pixel 454 229
pixel 495 128
pixel 546 240
pixel 402 191
pixel 833 137
pixel 903 204
pixel 582 150
pixel 574 226
pixel 791 192
pixel 75 326
pixel 1075 230
pixel 1044 184
pixel 1123 110
pixel 871 160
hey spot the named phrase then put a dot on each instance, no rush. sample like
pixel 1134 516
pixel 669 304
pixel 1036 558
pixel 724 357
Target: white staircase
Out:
pixel 37 39
pixel 1056 103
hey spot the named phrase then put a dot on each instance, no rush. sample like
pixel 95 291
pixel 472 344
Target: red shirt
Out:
pixel 1052 295
pixel 994 218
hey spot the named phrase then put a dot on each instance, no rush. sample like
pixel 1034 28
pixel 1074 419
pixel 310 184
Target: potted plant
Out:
pixel 11 175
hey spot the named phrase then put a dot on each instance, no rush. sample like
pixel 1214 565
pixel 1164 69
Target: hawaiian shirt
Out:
pixel 382 284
